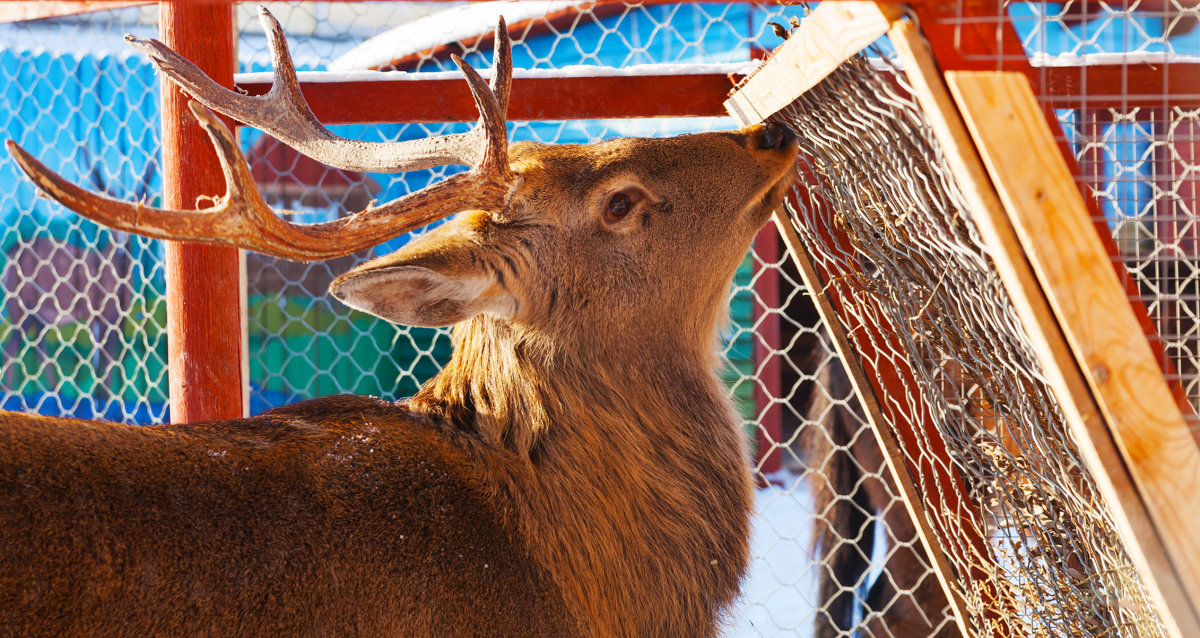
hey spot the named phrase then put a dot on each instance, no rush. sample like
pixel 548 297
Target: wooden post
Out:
pixel 204 309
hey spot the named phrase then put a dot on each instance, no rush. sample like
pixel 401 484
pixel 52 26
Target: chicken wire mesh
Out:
pixel 1034 550
pixel 81 313
pixel 83 316
pixel 1120 77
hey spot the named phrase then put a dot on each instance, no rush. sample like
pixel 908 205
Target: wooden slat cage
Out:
pixel 1027 360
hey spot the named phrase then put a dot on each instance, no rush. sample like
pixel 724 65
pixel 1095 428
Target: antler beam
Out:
pixel 283 113
pixel 242 218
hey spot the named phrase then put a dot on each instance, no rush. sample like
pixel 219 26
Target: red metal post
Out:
pixel 551 98
pixel 768 364
pixel 204 314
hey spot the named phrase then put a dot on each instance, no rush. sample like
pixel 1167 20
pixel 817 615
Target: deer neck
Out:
pixel 520 390
pixel 628 482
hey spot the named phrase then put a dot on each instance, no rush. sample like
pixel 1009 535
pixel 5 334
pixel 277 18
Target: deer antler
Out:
pixel 242 218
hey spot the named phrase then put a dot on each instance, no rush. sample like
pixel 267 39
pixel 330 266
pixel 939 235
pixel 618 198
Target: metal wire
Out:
pixel 922 302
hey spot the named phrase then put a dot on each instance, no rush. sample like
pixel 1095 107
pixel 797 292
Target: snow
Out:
pixel 573 71
pixel 779 594
pixel 452 25
pixel 1094 59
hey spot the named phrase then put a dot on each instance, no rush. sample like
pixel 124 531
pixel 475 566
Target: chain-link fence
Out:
pixel 81 314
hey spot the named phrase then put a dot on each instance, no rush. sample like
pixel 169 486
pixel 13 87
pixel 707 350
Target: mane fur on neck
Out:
pixel 624 481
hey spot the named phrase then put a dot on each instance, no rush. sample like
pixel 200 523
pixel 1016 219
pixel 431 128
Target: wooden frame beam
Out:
pixel 1142 451
pixel 830 35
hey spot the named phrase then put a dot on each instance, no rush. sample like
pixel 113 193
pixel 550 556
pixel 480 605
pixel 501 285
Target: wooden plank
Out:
pixel 449 100
pixel 1059 366
pixel 865 389
pixel 22 11
pixel 204 311
pixel 1072 264
pixel 829 36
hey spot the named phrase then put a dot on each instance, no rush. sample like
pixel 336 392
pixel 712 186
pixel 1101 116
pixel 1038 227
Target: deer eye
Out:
pixel 621 203
pixel 618 206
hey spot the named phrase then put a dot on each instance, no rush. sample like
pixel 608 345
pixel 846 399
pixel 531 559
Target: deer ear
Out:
pixel 418 296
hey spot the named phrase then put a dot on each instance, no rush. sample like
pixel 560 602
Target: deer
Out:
pixel 576 469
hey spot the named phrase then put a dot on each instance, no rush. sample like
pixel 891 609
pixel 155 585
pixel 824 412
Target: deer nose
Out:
pixel 775 136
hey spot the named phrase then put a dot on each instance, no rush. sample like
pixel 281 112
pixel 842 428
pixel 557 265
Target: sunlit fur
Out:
pixel 575 470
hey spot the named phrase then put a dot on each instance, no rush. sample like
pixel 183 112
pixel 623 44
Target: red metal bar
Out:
pixel 768 387
pixel 204 309
pixel 1121 85
pixel 449 100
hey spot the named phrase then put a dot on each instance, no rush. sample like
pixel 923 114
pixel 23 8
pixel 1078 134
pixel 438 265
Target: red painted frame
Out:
pixel 203 293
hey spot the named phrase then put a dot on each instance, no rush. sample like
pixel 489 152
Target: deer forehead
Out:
pixel 659 162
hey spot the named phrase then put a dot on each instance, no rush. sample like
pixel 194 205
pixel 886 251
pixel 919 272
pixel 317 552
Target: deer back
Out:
pixel 343 514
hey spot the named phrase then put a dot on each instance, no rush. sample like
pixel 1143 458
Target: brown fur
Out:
pixel 576 469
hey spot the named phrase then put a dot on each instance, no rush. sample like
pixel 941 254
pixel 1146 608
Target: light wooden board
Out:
pixel 1059 365
pixel 829 36
pixel 1158 469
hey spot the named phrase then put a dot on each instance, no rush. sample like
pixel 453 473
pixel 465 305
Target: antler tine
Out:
pixel 242 218
pixel 502 65
pixel 493 150
pixel 284 114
